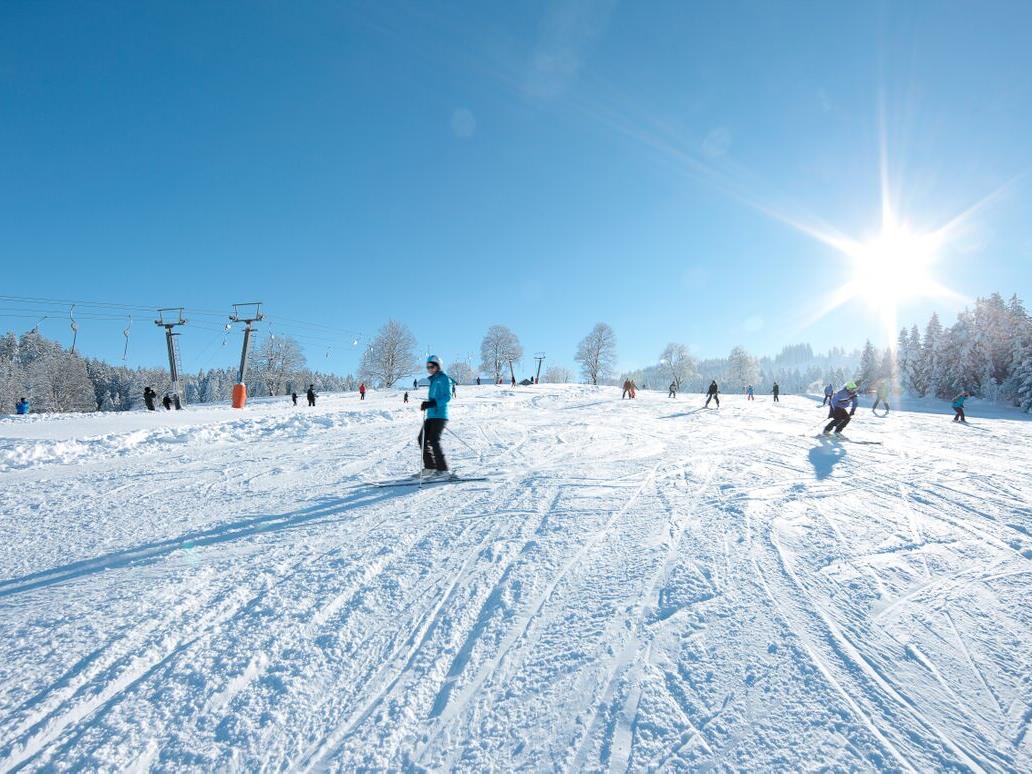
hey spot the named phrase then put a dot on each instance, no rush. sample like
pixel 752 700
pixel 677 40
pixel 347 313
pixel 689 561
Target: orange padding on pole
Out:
pixel 239 395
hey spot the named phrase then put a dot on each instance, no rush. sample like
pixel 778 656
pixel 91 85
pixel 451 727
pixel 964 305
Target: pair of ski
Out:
pixel 840 437
pixel 431 481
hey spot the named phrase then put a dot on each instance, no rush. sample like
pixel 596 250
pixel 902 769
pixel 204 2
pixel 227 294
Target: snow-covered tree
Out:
pixel 678 363
pixel 932 374
pixel 596 353
pixel 742 370
pixel 556 374
pixel 499 349
pixel 461 373
pixel 276 360
pixel 390 355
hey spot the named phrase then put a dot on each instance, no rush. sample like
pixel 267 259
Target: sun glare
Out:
pixel 894 267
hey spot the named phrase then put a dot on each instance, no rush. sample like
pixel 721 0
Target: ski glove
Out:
pixel 427 404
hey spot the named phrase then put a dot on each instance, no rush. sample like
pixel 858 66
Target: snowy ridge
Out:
pixel 17 453
pixel 643 585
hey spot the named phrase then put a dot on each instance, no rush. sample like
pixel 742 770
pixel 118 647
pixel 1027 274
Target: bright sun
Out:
pixel 894 267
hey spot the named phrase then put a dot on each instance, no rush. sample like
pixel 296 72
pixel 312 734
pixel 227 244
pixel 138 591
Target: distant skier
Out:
pixel 415 384
pixel 673 390
pixel 882 397
pixel 478 381
pixel 22 406
pixel 405 398
pixel 514 381
pixel 311 395
pixel 634 390
pixel 626 388
pixel 958 407
pixel 167 402
pixel 361 391
pixel 846 397
pixel 149 395
pixel 293 397
pixel 435 419
pixel 776 391
pixel 829 390
pixel 749 393
pixel 713 393
pixel 454 392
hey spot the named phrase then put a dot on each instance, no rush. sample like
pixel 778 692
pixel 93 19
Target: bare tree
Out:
pixel 461 373
pixel 276 360
pixel 597 353
pixel 499 348
pixel 390 355
pixel 557 375
pixel 678 363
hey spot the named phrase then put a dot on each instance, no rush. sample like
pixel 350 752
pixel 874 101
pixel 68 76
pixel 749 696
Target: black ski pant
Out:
pixel 776 398
pixel 430 441
pixel 712 396
pixel 880 402
pixel 311 401
pixel 839 419
pixel 673 394
pixel 960 414
pixel 827 400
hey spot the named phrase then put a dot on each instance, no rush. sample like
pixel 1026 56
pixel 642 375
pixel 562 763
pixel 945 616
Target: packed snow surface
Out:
pixel 641 585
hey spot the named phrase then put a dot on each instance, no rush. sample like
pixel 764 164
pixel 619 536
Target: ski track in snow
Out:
pixel 642 585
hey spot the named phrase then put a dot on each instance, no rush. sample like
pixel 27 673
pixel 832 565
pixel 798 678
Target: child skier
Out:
pixel 712 394
pixel 958 407
pixel 436 417
pixel 838 414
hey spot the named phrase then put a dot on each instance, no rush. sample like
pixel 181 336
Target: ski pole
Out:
pixel 422 448
pixel 479 457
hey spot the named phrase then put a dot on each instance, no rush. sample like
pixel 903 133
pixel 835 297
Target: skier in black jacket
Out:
pixel 712 394
pixel 776 392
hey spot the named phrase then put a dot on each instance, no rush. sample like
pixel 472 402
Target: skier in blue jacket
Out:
pixel 436 417
pixel 958 407
pixel 22 406
pixel 846 397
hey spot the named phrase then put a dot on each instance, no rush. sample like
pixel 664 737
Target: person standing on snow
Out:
pixel 958 407
pixel 749 393
pixel 712 394
pixel 478 381
pixel 293 397
pixel 361 391
pixel 405 398
pixel 415 384
pixel 673 390
pixel 838 414
pixel 311 395
pixel 829 390
pixel 633 389
pixel 882 397
pixel 435 419
pixel 148 398
pixel 22 407
pixel 776 391
pixel 167 402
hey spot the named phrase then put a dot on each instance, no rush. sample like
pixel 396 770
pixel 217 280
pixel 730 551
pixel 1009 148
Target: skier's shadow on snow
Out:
pixel 825 456
pixel 147 553
pixel 683 414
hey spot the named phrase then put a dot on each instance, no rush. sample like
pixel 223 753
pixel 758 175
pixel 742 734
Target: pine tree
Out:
pixel 931 357
pixel 868 373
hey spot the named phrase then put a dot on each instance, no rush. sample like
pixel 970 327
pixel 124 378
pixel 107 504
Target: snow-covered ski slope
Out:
pixel 642 585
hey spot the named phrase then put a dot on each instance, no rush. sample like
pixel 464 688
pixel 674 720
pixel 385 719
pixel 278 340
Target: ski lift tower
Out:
pixel 248 314
pixel 540 357
pixel 169 319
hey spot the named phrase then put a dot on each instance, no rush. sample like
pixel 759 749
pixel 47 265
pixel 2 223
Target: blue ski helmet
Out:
pixel 435 360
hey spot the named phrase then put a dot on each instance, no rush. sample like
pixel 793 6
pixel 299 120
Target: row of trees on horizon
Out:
pixel 987 352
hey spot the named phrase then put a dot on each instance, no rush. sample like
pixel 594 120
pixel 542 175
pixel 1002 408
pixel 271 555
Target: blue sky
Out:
pixel 541 165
